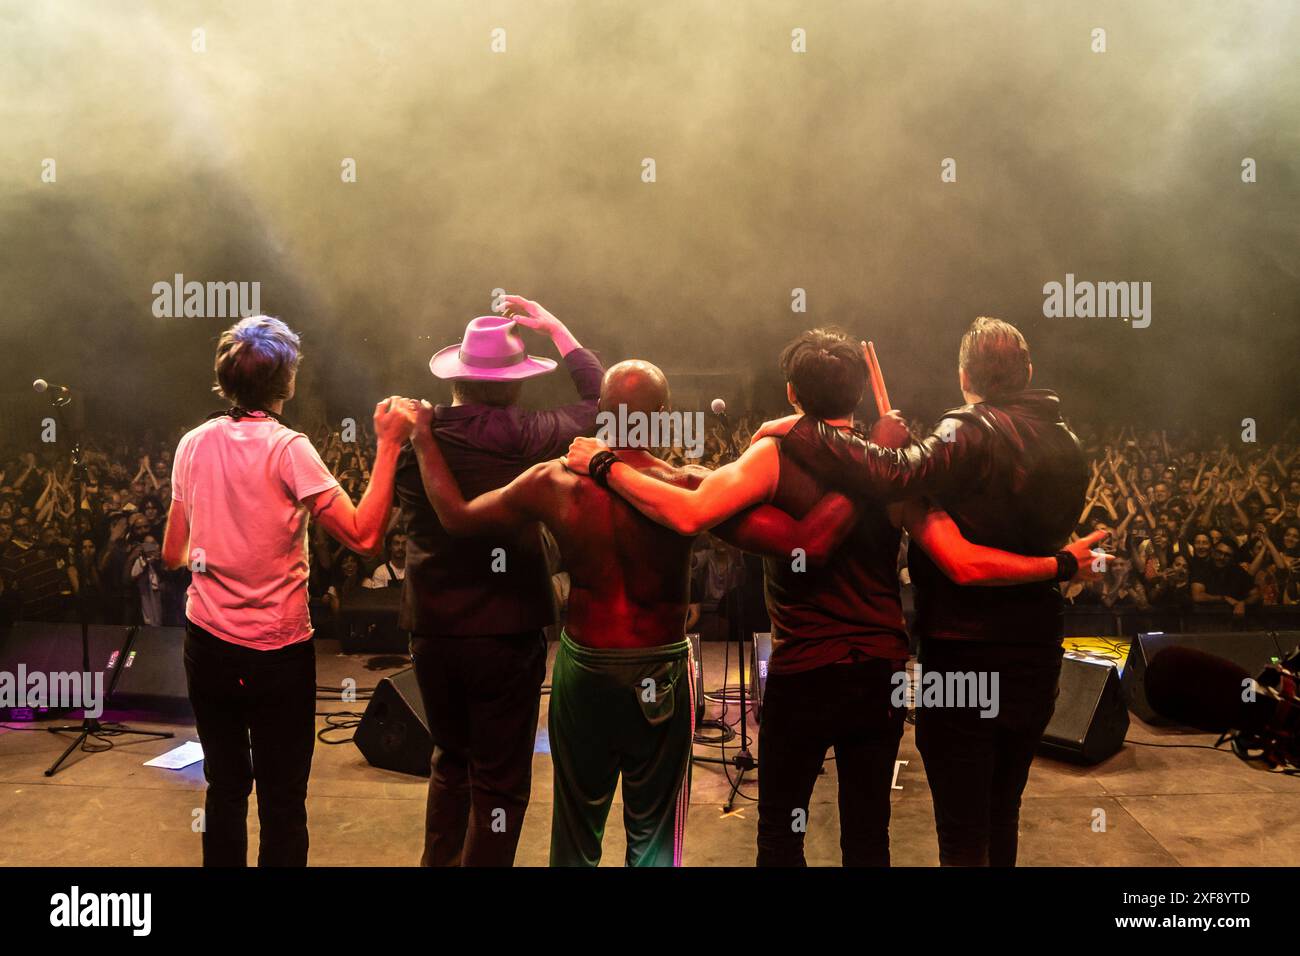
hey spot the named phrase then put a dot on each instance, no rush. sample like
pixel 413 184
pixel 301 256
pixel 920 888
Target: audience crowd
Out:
pixel 1193 520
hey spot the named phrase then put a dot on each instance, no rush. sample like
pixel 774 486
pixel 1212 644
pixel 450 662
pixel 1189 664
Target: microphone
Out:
pixel 61 393
pixel 1210 693
pixel 719 408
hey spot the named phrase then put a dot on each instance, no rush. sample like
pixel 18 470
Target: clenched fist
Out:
pixel 890 430
pixel 581 451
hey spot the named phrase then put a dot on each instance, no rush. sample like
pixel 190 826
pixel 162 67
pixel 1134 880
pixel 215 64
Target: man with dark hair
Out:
pixel 494 394
pixel 476 607
pixel 837 632
pixel 1222 580
pixel 391 572
pixel 1012 476
pixel 830 372
pixel 243 487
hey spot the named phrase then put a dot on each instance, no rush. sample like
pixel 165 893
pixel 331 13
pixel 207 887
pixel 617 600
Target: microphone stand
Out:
pixel 89 726
pixel 743 760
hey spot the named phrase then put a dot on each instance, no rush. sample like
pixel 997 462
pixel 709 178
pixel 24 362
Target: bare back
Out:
pixel 629 577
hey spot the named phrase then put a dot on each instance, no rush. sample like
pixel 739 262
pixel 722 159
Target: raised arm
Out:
pixel 966 563
pixel 547 433
pixel 362 527
pixel 532 315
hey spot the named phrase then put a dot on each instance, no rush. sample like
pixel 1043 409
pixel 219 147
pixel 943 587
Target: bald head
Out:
pixel 639 385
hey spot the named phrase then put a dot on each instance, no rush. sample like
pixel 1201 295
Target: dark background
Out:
pixel 776 170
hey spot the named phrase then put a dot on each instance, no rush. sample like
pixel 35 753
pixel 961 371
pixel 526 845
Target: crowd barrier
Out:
pixel 1129 622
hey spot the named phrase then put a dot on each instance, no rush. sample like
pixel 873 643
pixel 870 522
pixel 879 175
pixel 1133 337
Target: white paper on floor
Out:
pixel 178 757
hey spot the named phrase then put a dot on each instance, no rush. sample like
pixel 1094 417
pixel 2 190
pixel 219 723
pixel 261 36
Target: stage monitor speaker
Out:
pixel 51 648
pixel 394 732
pixel 697 663
pixel 152 676
pixel 1090 720
pixel 758 669
pixel 1249 649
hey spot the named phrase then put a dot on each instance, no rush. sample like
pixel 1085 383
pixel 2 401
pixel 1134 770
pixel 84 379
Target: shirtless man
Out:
pixel 621 698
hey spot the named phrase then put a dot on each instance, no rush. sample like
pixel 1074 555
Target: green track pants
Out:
pixel 628 711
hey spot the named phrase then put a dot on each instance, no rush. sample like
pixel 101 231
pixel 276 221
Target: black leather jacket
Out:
pixel 1009 472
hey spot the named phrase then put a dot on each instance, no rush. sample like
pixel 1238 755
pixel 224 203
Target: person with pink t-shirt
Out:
pixel 244 485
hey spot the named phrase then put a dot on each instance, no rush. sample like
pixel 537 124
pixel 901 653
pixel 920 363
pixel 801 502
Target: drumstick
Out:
pixel 877 379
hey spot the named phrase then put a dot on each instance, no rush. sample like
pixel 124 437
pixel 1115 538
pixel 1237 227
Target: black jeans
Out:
pixel 978 766
pixel 845 706
pixel 255 713
pixel 481 697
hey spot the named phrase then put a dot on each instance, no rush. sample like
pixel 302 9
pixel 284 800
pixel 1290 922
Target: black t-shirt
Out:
pixel 823 615
pixel 1231 580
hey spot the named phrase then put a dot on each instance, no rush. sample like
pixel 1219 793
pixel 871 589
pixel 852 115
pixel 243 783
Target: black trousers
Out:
pixel 977 766
pixel 481 697
pixel 844 706
pixel 255 713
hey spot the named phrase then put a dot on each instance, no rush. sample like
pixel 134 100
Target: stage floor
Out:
pixel 1163 807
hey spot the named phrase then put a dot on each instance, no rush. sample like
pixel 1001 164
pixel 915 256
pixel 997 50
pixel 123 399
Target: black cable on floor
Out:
pixel 1144 743
pixel 338 720
pixel 725 733
pixel 722 719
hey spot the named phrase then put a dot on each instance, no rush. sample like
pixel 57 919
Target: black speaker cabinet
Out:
pixel 51 648
pixel 1090 720
pixel 1251 650
pixel 152 674
pixel 394 732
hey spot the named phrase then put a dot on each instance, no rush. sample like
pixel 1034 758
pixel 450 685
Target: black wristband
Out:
pixel 1067 565
pixel 599 466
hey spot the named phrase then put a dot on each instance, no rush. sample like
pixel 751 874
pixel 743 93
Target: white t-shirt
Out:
pixel 241 484
pixel 383 577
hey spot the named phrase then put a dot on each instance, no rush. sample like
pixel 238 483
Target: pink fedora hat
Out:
pixel 490 352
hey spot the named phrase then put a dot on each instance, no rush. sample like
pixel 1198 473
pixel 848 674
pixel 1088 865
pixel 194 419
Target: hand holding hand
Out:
pixel 423 413
pixel 394 419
